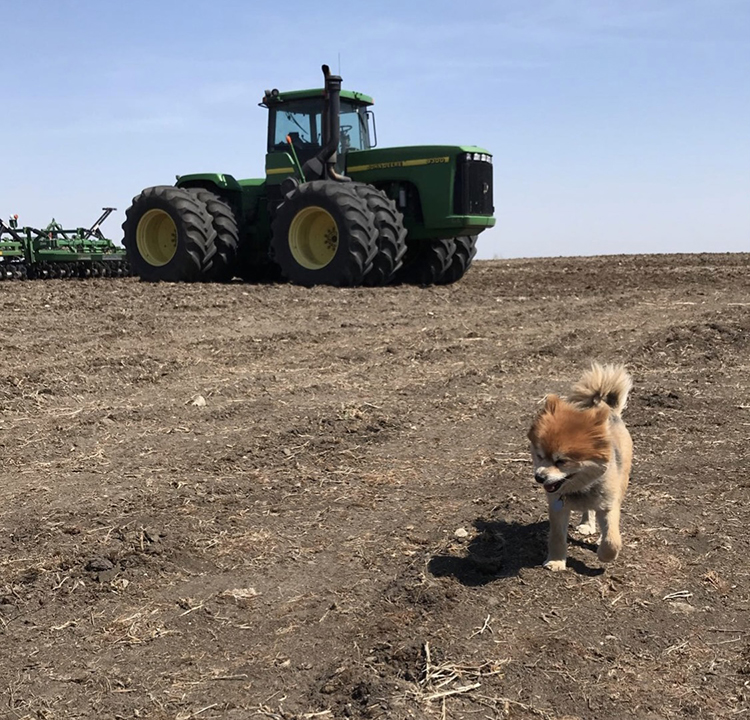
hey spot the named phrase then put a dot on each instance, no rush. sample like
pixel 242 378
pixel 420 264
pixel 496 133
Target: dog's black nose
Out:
pixel 539 477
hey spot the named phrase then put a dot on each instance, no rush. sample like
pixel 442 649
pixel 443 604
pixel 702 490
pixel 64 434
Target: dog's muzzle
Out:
pixel 550 487
pixel 555 486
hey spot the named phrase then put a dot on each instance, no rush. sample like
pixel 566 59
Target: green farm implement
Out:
pixel 54 252
pixel 332 208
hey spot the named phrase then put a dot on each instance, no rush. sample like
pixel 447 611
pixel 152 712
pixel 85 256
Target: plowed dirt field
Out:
pixel 247 501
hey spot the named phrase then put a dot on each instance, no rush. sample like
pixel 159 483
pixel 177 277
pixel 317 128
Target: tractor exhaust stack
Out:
pixel 323 165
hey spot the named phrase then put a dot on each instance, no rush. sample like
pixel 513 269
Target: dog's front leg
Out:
pixel 557 545
pixel 611 542
pixel 587 525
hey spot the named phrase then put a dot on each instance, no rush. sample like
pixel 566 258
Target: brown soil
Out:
pixel 238 501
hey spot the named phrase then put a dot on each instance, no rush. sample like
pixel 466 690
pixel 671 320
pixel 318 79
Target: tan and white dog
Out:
pixel 582 454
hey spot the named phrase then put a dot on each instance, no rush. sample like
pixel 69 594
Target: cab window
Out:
pixel 301 121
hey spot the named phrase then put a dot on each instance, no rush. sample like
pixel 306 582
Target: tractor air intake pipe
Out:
pixel 323 164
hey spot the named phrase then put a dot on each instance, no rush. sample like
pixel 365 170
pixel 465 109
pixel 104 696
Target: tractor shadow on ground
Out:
pixel 501 549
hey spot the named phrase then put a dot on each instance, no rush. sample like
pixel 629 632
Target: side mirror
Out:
pixel 372 131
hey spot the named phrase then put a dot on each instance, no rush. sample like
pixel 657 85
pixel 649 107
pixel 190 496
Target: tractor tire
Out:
pixel 227 238
pixel 391 240
pixel 466 249
pixel 324 234
pixel 429 262
pixel 168 236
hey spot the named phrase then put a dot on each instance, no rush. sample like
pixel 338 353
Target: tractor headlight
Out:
pixel 476 157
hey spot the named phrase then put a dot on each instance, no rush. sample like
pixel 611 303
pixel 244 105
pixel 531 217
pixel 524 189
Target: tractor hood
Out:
pixel 442 190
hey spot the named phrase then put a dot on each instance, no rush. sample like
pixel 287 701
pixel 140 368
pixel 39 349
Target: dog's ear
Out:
pixel 552 401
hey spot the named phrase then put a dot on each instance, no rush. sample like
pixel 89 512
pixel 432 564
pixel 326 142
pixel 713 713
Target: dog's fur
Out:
pixel 582 454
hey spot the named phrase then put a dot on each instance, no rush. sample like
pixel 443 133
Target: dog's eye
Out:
pixel 561 461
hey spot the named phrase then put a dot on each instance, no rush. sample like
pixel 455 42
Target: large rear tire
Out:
pixel 391 239
pixel 429 262
pixel 227 238
pixel 324 234
pixel 466 249
pixel 168 236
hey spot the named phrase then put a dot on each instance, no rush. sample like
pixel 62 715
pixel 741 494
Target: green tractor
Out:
pixel 332 209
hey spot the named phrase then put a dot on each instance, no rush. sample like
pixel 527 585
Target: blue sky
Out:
pixel 616 125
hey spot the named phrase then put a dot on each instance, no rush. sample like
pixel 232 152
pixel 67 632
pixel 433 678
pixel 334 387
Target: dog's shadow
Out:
pixel 501 549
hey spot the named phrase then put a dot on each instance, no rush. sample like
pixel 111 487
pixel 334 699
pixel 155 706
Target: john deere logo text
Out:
pixel 400 163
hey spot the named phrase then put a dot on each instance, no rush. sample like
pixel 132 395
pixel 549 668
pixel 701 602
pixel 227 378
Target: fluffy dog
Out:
pixel 582 454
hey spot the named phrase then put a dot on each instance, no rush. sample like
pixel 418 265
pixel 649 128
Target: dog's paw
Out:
pixel 608 551
pixel 586 529
pixel 554 565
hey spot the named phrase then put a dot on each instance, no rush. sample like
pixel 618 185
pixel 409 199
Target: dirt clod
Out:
pixel 99 564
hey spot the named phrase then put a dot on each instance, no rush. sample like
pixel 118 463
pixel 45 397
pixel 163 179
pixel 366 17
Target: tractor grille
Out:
pixel 472 193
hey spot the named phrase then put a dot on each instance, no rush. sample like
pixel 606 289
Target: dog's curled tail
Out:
pixel 608 384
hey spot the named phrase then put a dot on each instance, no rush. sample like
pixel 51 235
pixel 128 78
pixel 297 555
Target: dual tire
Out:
pixel 181 235
pixel 342 234
pixel 227 238
pixel 463 255
pixel 439 262
pixel 169 236
pixel 390 241
pixel 324 234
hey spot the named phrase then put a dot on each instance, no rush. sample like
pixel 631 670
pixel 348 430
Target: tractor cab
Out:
pixel 300 117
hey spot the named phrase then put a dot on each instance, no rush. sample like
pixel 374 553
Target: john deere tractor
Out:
pixel 332 209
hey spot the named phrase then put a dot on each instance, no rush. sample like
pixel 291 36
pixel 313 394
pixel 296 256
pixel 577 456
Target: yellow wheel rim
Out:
pixel 156 237
pixel 313 237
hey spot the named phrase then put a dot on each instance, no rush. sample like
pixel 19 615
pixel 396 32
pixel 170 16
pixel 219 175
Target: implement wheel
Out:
pixel 169 236
pixel 324 234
